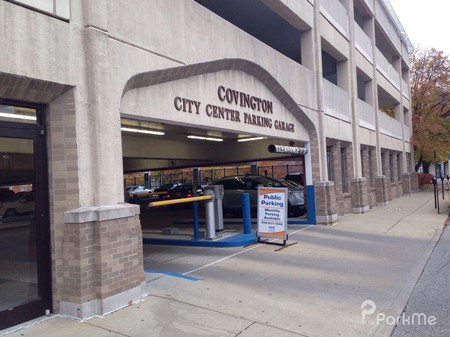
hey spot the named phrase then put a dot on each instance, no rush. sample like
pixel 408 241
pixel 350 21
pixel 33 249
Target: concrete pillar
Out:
pixel 321 139
pixel 102 258
pixel 360 200
pixel 196 177
pixel 381 190
pixel 326 207
pixel 377 157
pixel 254 168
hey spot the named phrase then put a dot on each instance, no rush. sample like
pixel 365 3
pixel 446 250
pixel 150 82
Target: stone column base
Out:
pixel 381 190
pixel 414 179
pixel 326 210
pixel 360 199
pixel 102 260
pixel 103 306
pixel 406 182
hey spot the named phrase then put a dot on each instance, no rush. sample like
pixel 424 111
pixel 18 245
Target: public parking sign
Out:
pixel 272 212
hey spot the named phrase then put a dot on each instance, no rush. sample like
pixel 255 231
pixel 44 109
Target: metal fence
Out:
pixel 208 175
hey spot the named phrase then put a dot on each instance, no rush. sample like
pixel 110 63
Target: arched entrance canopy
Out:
pixel 172 74
pixel 166 80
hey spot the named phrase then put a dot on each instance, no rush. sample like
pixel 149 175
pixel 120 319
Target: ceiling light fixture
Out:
pixel 206 138
pixel 148 132
pixel 14 116
pixel 250 139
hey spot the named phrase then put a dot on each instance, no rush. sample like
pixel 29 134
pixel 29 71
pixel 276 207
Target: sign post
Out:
pixel 272 213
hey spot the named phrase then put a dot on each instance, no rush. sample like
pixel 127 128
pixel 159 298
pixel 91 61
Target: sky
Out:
pixel 426 22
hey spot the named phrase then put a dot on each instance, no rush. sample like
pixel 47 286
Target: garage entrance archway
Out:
pixel 192 107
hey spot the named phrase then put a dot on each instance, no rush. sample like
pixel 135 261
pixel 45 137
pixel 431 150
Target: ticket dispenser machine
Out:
pixel 218 209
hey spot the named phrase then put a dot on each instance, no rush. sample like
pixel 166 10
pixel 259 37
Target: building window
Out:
pixel 329 68
pixel 399 167
pixel 330 166
pixel 58 8
pixel 344 170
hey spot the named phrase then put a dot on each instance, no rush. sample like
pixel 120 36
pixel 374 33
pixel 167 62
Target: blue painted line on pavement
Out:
pixel 170 273
pixel 237 240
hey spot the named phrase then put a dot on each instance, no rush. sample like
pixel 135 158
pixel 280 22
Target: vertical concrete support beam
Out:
pixel 321 139
pixel 414 178
pixel 406 183
pixel 326 207
pixel 100 151
pixel 196 176
pixel 381 190
pixel 254 168
pixel 360 200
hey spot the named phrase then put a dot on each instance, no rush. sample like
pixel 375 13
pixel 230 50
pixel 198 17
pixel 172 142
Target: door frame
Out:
pixel 36 132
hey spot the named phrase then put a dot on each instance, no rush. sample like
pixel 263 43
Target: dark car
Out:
pixel 7 195
pixel 234 186
pixel 162 190
pixel 183 191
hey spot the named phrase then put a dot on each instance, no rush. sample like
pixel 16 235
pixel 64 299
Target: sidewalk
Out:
pixel 431 296
pixel 321 286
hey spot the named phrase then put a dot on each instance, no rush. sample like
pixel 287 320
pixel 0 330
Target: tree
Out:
pixel 430 102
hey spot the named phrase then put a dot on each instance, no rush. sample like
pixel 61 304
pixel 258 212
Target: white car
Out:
pixel 139 191
pixel 24 205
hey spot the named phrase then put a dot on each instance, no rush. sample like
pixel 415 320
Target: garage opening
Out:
pixel 200 122
pixel 167 161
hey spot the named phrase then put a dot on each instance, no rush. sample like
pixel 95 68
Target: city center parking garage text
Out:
pixel 240 99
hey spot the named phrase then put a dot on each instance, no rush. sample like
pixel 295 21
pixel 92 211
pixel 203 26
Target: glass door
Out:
pixel 25 282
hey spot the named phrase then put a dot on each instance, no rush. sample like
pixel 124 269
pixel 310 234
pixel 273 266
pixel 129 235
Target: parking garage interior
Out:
pixel 156 154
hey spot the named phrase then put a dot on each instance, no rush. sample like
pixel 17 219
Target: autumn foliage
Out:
pixel 430 91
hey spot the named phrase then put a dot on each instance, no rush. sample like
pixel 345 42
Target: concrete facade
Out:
pixel 94 62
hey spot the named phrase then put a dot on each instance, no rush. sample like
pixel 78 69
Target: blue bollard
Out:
pixel 246 217
pixel 195 214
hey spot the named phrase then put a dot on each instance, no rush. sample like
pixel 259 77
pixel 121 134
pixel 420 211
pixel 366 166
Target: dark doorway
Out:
pixel 25 271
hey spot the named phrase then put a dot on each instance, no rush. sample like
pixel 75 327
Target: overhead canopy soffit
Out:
pixel 163 76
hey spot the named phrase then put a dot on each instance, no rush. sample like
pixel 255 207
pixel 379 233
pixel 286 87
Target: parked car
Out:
pixel 184 191
pixel 291 183
pixel 23 205
pixel 7 195
pixel 297 177
pixel 165 188
pixel 234 186
pixel 139 191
